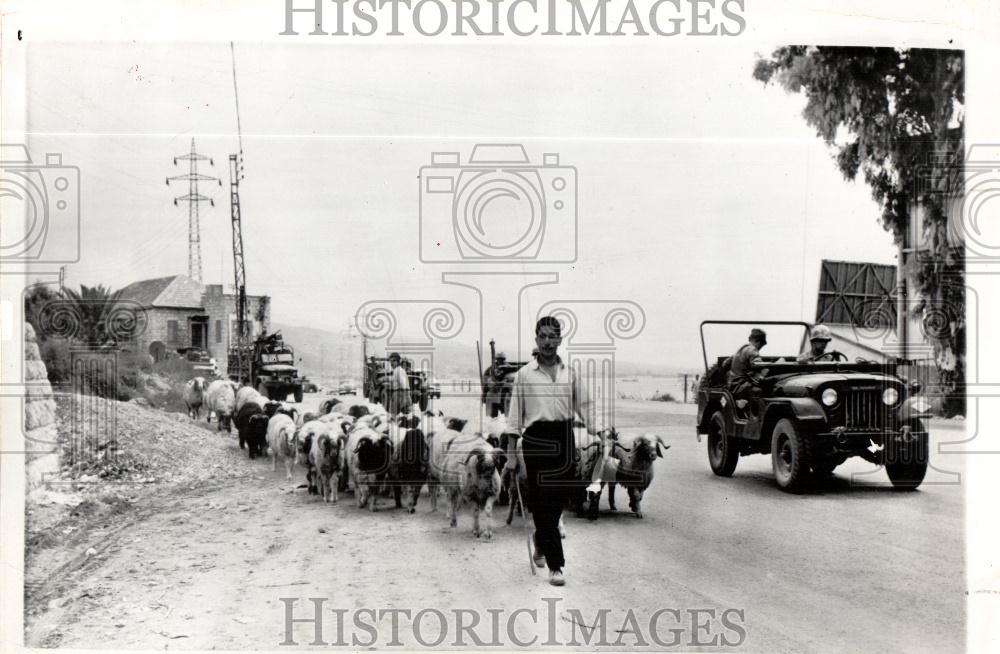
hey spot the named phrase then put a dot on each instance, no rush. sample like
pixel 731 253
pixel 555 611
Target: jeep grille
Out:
pixel 863 410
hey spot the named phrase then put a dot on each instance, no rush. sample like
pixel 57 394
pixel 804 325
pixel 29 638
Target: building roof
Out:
pixel 176 291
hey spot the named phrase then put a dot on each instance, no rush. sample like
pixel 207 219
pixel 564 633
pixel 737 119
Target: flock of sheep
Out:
pixel 359 446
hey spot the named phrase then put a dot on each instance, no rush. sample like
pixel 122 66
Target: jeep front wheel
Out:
pixel 906 463
pixel 824 468
pixel 298 396
pixel 722 452
pixel 789 456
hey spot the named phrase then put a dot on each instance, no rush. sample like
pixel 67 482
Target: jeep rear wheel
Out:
pixel 722 452
pixel 906 463
pixel 790 458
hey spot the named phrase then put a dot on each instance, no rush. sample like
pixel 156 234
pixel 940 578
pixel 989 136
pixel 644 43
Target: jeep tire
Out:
pixel 906 463
pixel 790 456
pixel 824 467
pixel 298 395
pixel 723 454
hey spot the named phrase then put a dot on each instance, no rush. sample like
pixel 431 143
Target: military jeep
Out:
pixel 812 417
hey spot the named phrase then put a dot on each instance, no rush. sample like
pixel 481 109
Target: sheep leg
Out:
pixel 454 507
pixel 476 531
pixel 488 514
pixel 635 501
pixel 274 467
pixel 611 497
pixel 432 494
pixel 414 497
pixel 289 462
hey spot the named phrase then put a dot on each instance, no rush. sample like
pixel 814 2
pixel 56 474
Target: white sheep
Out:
pixel 194 396
pixel 221 398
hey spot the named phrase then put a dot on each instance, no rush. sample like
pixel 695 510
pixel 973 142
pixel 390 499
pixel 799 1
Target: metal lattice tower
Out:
pixel 239 271
pixel 193 199
pixel 242 333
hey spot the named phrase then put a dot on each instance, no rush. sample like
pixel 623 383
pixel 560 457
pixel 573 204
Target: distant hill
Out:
pixel 332 355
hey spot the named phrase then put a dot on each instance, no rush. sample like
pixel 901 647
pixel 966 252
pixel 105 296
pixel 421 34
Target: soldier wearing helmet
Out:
pixel 819 338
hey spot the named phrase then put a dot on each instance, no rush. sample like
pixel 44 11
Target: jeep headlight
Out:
pixel 829 397
pixel 890 396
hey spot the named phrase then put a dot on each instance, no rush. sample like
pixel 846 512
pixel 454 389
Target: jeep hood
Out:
pixel 803 384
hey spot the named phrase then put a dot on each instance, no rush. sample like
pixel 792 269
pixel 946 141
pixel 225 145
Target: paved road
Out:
pixel 851 567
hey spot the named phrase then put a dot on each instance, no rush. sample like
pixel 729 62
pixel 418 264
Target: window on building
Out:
pixel 218 331
pixel 173 333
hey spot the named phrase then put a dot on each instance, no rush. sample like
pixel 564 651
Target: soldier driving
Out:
pixel 742 381
pixel 819 338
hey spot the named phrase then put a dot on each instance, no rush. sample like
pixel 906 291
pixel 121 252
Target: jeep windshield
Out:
pixel 722 338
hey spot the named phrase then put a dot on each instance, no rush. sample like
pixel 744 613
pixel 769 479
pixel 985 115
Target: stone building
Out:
pixel 181 312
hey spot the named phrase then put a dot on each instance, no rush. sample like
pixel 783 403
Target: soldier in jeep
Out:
pixel 819 338
pixel 743 383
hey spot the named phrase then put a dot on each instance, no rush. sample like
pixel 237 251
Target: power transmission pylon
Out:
pixel 193 198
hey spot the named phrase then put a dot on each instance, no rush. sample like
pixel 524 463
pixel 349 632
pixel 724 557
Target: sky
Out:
pixel 700 193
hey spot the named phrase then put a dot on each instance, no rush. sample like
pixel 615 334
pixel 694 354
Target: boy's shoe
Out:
pixel 537 556
pixel 556 578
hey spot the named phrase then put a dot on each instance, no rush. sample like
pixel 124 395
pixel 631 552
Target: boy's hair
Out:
pixel 548 321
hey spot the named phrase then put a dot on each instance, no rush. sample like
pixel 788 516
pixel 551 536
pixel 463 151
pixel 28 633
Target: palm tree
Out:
pixel 98 321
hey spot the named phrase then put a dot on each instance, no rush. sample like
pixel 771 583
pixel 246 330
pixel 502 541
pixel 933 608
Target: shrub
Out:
pixel 55 353
pixel 174 370
pixel 663 397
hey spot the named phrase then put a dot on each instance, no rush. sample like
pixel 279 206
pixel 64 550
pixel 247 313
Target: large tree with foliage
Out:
pixel 896 117
pixel 93 316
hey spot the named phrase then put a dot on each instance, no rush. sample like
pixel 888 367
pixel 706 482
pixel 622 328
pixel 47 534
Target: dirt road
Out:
pixel 716 563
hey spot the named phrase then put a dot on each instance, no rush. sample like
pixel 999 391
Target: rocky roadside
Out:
pixel 106 483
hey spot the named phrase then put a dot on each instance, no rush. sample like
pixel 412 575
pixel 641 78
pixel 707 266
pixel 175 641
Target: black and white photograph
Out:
pixel 515 325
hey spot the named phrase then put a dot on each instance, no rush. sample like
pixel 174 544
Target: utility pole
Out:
pixel 239 272
pixel 62 278
pixel 193 199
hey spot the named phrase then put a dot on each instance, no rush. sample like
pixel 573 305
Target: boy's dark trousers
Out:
pixel 548 461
